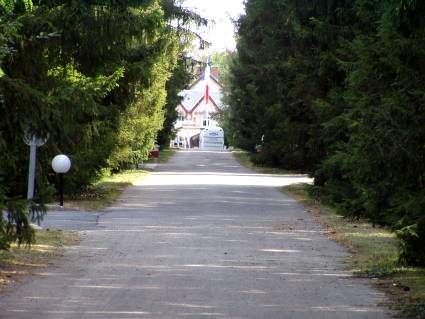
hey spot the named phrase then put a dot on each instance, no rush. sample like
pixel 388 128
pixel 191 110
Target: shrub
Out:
pixel 412 243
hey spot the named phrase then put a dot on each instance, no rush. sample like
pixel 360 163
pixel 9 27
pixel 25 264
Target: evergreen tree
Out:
pixel 89 76
pixel 284 71
pixel 178 81
pixel 381 166
pixel 336 89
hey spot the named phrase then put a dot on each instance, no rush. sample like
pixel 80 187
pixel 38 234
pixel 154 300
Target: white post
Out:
pixel 33 142
pixel 31 169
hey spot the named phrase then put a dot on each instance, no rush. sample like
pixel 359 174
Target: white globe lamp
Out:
pixel 61 165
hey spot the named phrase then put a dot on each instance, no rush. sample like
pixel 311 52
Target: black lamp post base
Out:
pixel 61 189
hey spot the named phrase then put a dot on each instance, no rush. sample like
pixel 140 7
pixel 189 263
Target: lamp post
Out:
pixel 33 142
pixel 61 165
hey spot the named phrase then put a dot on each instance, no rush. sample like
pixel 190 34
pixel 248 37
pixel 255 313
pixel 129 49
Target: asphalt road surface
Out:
pixel 201 237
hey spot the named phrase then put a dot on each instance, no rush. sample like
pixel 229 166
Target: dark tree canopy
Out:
pixel 336 89
pixel 97 78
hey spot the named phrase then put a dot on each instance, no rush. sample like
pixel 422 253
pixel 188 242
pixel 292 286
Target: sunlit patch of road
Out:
pixel 217 178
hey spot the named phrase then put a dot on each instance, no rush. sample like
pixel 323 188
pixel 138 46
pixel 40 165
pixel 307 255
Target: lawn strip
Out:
pixel 104 192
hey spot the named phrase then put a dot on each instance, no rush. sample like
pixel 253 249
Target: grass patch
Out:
pixel 104 192
pixel 375 254
pixel 25 260
pixel 164 156
pixel 246 159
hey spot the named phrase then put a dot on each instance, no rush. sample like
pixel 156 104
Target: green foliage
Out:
pixel 284 70
pixel 222 60
pixel 9 5
pixel 178 81
pixel 336 88
pixel 412 243
pixel 382 163
pixel 91 78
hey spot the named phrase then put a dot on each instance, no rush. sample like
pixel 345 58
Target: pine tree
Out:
pixel 89 76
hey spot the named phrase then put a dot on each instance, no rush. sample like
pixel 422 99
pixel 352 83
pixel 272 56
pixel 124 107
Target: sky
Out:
pixel 221 33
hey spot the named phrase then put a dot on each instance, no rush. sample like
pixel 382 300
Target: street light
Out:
pixel 61 165
pixel 33 141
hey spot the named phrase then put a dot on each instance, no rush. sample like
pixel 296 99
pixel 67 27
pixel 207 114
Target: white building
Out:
pixel 194 112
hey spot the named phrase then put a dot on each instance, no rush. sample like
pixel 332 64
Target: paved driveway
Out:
pixel 201 237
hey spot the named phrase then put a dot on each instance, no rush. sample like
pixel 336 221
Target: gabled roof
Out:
pixel 192 99
pixel 193 96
